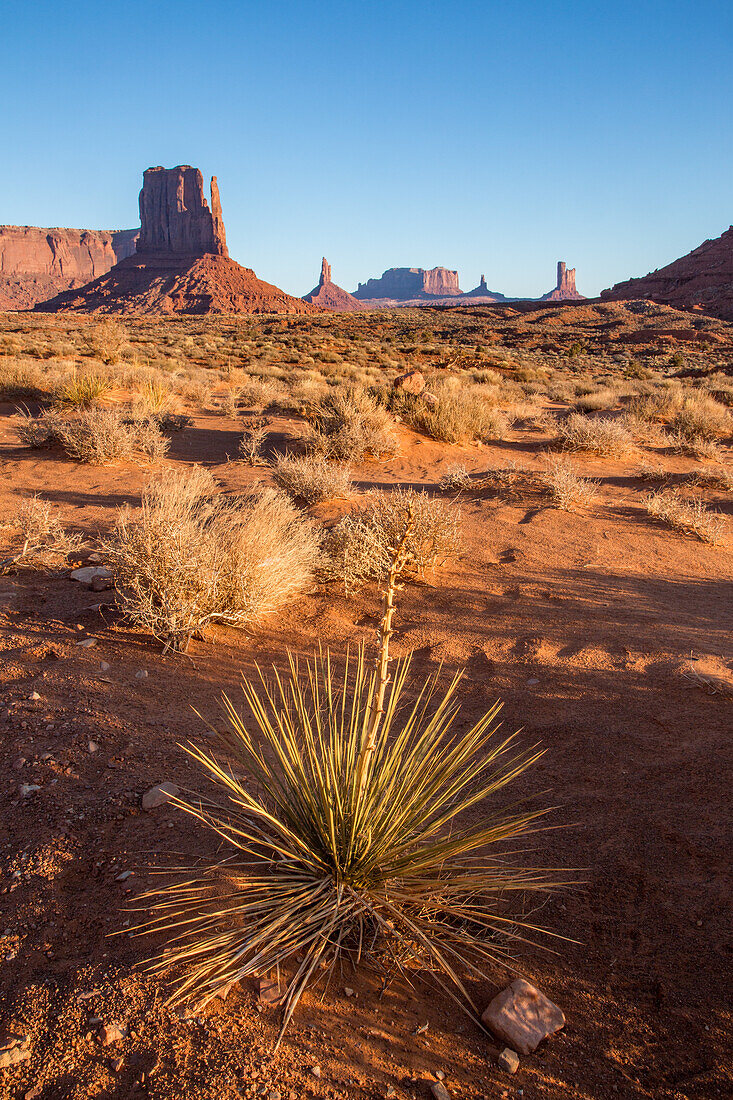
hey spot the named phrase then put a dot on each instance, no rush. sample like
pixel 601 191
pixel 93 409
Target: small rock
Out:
pixel 532 680
pixel 523 1016
pixel 116 1064
pixel 440 1075
pixel 274 1094
pixel 159 795
pixel 111 1033
pixel 101 584
pixel 391 1091
pixel 268 991
pixel 33 1093
pixel 348 991
pixel 508 1060
pixel 412 382
pixel 94 557
pixel 87 573
pixel 439 1091
pixel 34 697
pixel 123 876
pixel 430 400
pixel 103 666
pixel 316 1071
pixel 13 1050
pixel 27 789
pixel 141 674
pixel 86 643
pixel 93 746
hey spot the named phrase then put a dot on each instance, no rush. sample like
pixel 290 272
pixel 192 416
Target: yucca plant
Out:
pixel 346 819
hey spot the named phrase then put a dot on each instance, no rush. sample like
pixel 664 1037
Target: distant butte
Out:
pixel 410 283
pixel 330 296
pixel 482 291
pixel 182 263
pixel 565 291
pixel 701 280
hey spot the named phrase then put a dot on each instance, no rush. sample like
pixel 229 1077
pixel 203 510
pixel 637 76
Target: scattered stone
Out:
pixel 27 789
pixel 439 1091
pixel 87 573
pixel 104 666
pixel 158 796
pixel 440 1075
pixel 86 643
pixel 123 876
pixel 348 991
pixel 101 584
pixel 141 674
pixel 111 1033
pixel 412 382
pixel 316 1071
pixel 93 746
pixel 268 991
pixel 430 400
pixel 532 680
pixel 34 697
pixel 391 1091
pixel 522 1016
pixel 94 557
pixel 508 1060
pixel 274 1094
pixel 33 1093
pixel 116 1064
pixel 13 1050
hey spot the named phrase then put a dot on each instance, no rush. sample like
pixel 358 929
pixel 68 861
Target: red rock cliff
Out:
pixel 36 263
pixel 175 217
pixel 565 291
pixel 405 283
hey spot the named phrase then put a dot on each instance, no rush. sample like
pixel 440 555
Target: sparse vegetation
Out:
pixel 350 426
pixel 95 435
pixel 596 435
pixel 312 477
pixel 453 415
pixel 40 539
pixel 253 439
pixel 688 515
pixel 191 557
pixel 565 486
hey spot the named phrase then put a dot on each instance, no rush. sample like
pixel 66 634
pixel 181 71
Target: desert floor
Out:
pixel 589 625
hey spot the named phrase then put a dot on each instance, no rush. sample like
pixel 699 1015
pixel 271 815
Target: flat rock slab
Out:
pixel 158 796
pixel 87 573
pixel 523 1017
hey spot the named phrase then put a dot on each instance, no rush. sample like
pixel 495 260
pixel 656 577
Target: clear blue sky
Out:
pixel 493 137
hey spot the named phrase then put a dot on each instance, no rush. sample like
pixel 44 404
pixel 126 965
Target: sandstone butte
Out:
pixel 409 284
pixel 702 280
pixel 37 263
pixel 565 290
pixel 330 296
pixel 181 263
pixel 484 294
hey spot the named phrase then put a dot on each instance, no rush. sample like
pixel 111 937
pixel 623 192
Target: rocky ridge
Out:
pixel 330 296
pixel 702 280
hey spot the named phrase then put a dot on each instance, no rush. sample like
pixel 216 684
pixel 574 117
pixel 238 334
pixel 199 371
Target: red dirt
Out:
pixel 578 622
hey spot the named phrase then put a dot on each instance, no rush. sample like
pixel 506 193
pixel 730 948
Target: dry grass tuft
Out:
pixel 686 514
pixel 95 435
pixel 312 477
pixel 359 546
pixel 40 538
pixel 349 425
pixel 595 435
pixel 190 557
pixel 456 415
pixel 566 488
pixel 81 391
pixel 253 439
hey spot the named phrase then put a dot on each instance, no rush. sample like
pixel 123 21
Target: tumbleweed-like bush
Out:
pixel 191 557
pixel 349 425
pixel 312 477
pixel 685 514
pixel 359 547
pixel 596 435
pixel 342 803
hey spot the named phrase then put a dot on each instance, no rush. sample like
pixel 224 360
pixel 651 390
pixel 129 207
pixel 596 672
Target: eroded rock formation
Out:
pixel 175 216
pixel 330 296
pixel 36 263
pixel 565 291
pixel 407 283
pixel 482 291
pixel 181 264
pixel 701 280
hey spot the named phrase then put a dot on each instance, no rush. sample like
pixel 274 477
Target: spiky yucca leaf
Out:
pixel 334 853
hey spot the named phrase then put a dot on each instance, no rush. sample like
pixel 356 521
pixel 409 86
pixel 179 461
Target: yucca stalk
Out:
pixel 348 819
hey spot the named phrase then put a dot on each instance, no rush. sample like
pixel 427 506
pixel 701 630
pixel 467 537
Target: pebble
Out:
pixel 87 573
pixel 316 1071
pixel 111 1033
pixel 123 876
pixel 391 1091
pixel 532 680
pixel 508 1060
pixel 159 795
pixel 103 666
pixel 116 1064
pixel 93 746
pixel 34 697
pixel 14 1050
pixel 440 1075
pixel 86 643
pixel 439 1091
pixel 27 789
pixel 141 674
pixel 348 991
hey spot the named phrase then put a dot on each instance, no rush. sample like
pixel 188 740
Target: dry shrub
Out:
pixel 566 488
pixel 253 439
pixel 598 399
pixel 40 539
pixel 595 435
pixel 190 557
pixel 152 397
pixel 81 391
pixel 694 446
pixel 359 547
pixel 95 435
pixel 107 340
pixel 455 479
pixel 686 514
pixel 312 477
pixel 22 382
pixel 701 417
pixel 456 416
pixel 349 425
pixel 715 477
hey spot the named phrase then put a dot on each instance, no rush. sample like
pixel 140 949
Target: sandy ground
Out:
pixel 580 623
